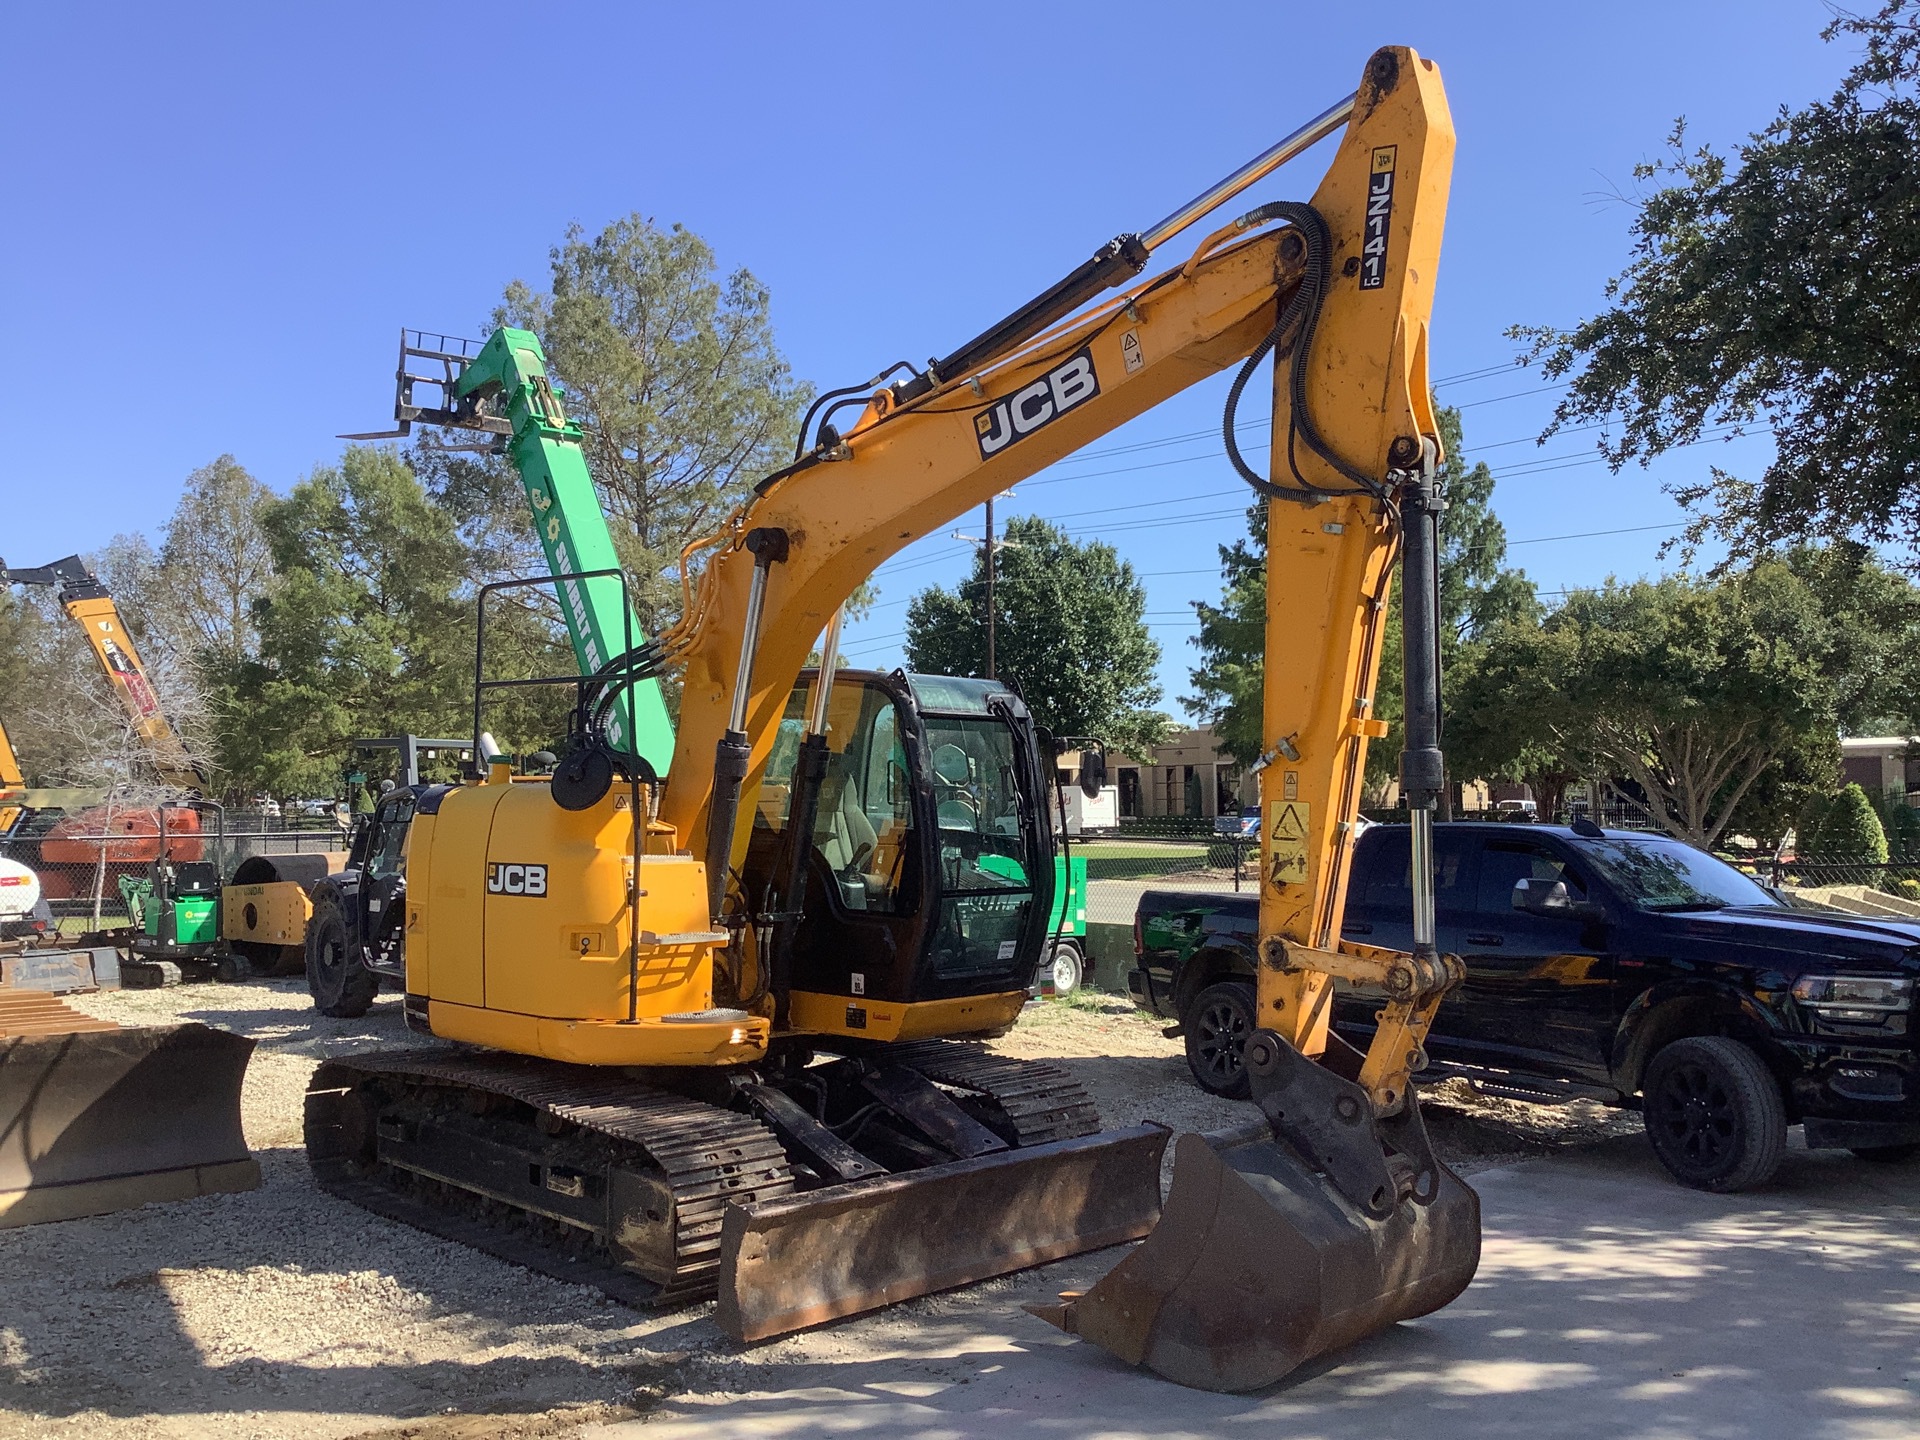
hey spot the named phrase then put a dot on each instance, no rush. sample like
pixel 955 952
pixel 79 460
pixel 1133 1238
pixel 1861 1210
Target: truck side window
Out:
pixel 1509 861
pixel 1389 862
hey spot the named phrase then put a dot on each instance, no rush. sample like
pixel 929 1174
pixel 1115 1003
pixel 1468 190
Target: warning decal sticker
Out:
pixel 1287 843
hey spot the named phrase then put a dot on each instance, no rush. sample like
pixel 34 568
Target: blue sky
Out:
pixel 222 214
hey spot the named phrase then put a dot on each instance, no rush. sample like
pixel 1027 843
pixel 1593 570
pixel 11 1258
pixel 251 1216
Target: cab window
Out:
pixel 1390 872
pixel 388 852
pixel 864 824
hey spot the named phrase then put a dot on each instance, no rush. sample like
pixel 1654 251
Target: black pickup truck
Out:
pixel 1623 967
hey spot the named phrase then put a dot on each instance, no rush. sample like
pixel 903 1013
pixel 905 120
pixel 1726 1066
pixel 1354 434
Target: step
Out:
pixel 35 1012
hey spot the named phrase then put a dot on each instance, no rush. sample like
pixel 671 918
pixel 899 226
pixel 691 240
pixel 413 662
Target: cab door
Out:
pixel 383 883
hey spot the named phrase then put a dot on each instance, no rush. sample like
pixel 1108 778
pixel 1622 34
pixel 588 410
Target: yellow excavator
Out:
pixel 90 605
pixel 717 1031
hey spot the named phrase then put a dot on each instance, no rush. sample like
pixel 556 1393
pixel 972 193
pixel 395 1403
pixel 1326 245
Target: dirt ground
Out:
pixel 287 1313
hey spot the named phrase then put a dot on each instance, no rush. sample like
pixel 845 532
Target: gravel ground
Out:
pixel 285 1312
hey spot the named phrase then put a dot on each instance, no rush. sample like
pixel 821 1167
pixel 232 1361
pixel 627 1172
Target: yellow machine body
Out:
pixel 274 914
pixel 520 934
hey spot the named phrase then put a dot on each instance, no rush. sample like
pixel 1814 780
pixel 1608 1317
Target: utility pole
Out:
pixel 993 548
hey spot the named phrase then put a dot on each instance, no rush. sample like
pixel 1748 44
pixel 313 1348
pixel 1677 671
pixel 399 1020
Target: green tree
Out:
pixel 215 563
pixel 1507 717
pixel 1778 289
pixel 1690 688
pixel 1723 700
pixel 190 606
pixel 1844 827
pixel 1477 592
pixel 1808 768
pixel 674 373
pixel 366 632
pixel 1070 629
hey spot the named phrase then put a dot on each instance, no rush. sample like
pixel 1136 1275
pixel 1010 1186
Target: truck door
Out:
pixel 1380 912
pixel 1539 989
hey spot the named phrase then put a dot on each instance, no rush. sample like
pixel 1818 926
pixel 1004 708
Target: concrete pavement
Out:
pixel 1610 1302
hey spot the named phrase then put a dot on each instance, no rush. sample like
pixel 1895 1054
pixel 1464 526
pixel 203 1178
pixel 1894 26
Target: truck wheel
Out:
pixel 340 984
pixel 1218 1023
pixel 1069 970
pixel 1714 1114
pixel 1886 1154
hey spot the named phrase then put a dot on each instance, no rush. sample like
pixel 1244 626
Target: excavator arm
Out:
pixel 89 605
pixel 1345 286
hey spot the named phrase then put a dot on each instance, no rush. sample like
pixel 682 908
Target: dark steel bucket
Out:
pixel 103 1120
pixel 805 1259
pixel 1259 1265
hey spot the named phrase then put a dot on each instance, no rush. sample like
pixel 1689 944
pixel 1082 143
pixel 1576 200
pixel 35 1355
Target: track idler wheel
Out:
pixel 1261 1263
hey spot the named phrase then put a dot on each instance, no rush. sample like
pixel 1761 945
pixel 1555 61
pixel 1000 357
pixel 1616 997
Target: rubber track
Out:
pixel 1043 1101
pixel 709 1156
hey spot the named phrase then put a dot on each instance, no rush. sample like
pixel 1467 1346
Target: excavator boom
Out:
pixel 90 605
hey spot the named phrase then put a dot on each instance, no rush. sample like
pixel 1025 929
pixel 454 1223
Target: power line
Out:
pixel 1496 399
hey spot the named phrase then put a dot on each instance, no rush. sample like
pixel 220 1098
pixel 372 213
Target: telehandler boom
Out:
pixel 501 389
pixel 811 1137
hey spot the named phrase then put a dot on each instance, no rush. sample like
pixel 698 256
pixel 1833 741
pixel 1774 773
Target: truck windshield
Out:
pixel 1663 874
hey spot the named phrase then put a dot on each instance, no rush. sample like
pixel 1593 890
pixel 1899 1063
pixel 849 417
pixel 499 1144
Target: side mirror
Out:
pixel 1093 773
pixel 1550 900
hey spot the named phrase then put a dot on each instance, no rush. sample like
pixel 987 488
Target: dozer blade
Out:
pixel 804 1259
pixel 1259 1264
pixel 100 1119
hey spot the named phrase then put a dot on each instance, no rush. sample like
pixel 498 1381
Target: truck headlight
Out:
pixel 1854 997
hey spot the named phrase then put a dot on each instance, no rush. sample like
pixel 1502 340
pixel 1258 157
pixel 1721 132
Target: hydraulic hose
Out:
pixel 1305 307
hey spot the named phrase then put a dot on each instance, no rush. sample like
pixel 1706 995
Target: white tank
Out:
pixel 19 890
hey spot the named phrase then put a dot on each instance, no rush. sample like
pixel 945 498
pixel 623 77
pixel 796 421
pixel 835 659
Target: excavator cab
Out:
pixel 929 873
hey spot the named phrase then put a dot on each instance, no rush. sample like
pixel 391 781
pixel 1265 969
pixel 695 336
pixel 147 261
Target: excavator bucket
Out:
pixel 96 1118
pixel 804 1259
pixel 1289 1239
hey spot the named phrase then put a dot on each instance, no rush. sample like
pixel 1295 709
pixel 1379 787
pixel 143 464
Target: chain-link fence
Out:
pixel 1896 878
pixel 1196 859
pixel 86 874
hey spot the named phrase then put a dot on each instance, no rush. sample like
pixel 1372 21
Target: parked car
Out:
pixel 1246 823
pixel 1611 965
pixel 1516 809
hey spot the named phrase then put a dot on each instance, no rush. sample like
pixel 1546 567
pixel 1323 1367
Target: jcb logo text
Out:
pixel 517 880
pixel 1070 383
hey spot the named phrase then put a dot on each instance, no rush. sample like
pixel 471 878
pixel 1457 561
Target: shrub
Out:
pixel 1844 827
pixel 1902 823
